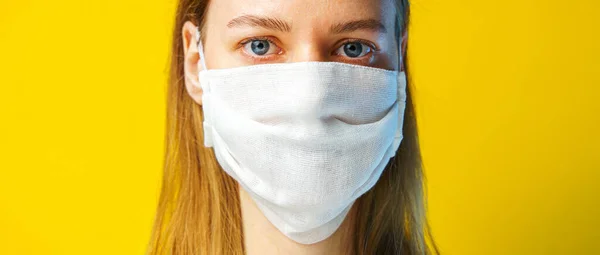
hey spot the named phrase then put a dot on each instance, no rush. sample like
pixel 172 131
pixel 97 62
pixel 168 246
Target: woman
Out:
pixel 290 130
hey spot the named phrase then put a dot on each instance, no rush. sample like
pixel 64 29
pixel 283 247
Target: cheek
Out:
pixel 218 54
pixel 385 62
pixel 388 57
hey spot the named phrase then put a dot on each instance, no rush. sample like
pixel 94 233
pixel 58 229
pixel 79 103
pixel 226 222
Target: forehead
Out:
pixel 303 14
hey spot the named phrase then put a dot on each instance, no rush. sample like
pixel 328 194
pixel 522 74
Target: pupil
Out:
pixel 353 49
pixel 260 47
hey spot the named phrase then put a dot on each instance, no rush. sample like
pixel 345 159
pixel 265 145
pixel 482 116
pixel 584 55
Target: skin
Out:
pixel 304 33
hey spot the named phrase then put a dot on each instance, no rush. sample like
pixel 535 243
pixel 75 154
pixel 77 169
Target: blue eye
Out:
pixel 259 47
pixel 354 50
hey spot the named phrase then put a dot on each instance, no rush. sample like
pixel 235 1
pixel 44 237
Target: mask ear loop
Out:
pixel 401 55
pixel 401 71
pixel 207 123
pixel 401 99
pixel 200 50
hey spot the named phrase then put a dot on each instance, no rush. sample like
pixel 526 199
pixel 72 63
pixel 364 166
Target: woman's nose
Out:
pixel 309 52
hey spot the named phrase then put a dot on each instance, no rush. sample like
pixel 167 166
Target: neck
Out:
pixel 261 237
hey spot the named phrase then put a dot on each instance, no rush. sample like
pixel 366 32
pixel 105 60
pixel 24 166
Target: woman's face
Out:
pixel 243 32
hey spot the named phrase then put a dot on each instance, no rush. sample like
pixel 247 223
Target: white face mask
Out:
pixel 303 139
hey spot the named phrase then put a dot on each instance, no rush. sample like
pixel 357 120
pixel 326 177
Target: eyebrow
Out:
pixel 259 21
pixel 283 26
pixel 365 24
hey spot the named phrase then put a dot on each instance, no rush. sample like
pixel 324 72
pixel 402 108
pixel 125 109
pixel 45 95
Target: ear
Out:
pixel 404 42
pixel 190 62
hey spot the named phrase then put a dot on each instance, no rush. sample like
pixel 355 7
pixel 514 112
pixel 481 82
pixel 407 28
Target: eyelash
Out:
pixel 258 38
pixel 372 46
pixel 241 45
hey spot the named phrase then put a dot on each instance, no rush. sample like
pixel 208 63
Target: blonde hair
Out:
pixel 199 208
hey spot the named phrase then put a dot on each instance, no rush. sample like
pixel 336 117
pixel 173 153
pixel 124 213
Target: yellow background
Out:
pixel 508 103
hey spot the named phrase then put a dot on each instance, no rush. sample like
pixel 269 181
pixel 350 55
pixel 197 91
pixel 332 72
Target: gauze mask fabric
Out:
pixel 303 139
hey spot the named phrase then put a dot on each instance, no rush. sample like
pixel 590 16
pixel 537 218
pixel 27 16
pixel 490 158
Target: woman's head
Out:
pixel 239 33
pixel 199 206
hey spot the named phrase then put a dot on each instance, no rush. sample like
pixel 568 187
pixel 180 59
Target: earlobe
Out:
pixel 190 62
